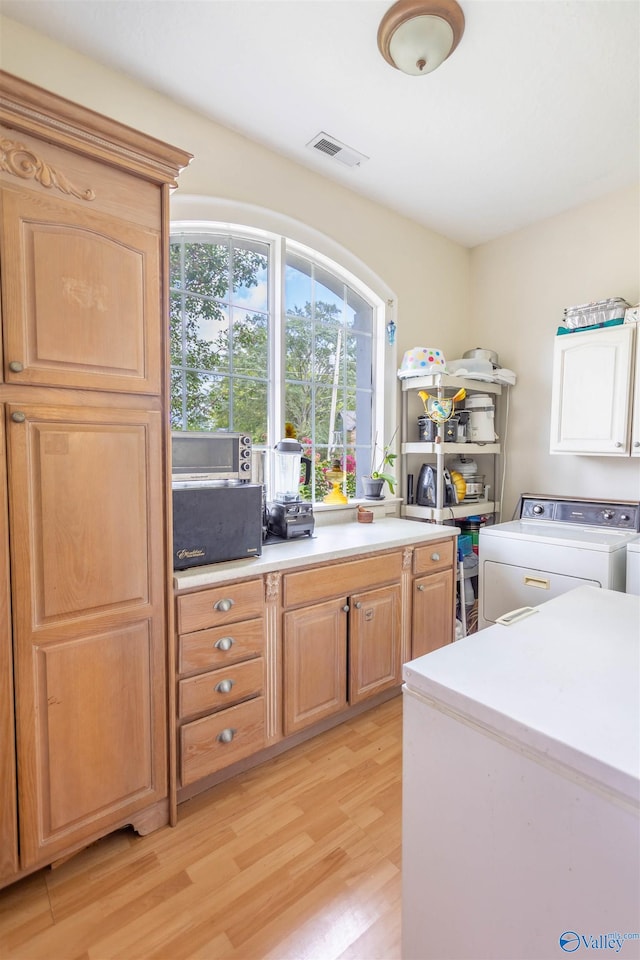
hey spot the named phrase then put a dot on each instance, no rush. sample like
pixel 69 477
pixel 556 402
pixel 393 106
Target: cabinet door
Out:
pixel 374 642
pixel 432 615
pixel 81 296
pixel 88 581
pixel 635 421
pixel 590 397
pixel 8 815
pixel 315 664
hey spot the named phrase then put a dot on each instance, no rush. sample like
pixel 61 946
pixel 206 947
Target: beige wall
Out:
pixel 427 273
pixel 520 285
pixel 507 295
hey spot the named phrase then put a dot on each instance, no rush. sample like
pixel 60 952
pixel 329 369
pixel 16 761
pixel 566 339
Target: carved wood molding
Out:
pixel 272 587
pixel 17 159
pixel 407 555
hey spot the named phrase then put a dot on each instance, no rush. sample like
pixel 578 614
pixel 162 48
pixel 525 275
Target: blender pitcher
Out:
pixel 287 464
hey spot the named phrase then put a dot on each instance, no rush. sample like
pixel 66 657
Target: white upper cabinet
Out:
pixel 590 408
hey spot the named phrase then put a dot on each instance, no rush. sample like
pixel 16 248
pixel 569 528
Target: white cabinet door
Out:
pixel 635 422
pixel 590 399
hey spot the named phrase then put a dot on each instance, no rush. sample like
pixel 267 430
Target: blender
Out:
pixel 289 516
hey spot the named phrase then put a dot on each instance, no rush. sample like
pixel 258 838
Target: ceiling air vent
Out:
pixel 337 151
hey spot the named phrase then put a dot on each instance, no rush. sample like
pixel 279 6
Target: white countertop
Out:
pixel 563 683
pixel 331 542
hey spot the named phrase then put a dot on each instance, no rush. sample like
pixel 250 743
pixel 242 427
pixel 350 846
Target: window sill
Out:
pixel 327 513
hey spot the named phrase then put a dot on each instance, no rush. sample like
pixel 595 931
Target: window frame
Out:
pixel 365 283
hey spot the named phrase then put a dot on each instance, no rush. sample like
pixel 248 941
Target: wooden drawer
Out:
pixel 203 752
pixel 220 646
pixel 208 608
pixel 340 579
pixel 208 691
pixel 437 555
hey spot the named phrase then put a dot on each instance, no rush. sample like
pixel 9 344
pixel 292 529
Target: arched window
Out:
pixel 266 331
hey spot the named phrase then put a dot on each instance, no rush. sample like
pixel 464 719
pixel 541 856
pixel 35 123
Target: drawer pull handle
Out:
pixel 224 686
pixel 541 582
pixel 226 735
pixel 346 608
pixel 224 643
pixel 435 556
pixel 223 605
pixel 421 587
pixel 16 367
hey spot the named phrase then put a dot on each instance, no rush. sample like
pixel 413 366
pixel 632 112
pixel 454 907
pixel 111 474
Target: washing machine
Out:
pixel 557 544
pixel 633 567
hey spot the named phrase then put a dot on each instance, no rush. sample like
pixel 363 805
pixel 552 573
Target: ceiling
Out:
pixel 534 113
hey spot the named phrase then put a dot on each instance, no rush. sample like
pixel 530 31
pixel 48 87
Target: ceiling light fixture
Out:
pixel 416 36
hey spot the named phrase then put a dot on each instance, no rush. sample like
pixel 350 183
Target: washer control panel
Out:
pixel 592 513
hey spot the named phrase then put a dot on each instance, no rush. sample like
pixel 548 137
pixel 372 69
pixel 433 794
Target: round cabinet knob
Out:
pixel 358 605
pixel 226 735
pixel 223 606
pixel 636 443
pixel 224 686
pixel 346 608
pixel 15 366
pixel 618 444
pixel 224 643
pixel 435 556
pixel 421 587
pixel 18 416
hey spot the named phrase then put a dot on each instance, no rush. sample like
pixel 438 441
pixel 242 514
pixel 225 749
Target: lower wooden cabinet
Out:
pixel 272 657
pixel 374 642
pixel 345 650
pixel 315 663
pixel 432 619
pixel 211 743
pixel 221 677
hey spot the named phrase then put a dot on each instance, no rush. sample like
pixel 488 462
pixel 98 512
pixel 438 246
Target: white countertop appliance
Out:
pixel 521 787
pixel 557 544
pixel 633 567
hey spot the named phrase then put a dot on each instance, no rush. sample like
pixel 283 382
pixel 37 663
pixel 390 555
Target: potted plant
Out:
pixel 373 484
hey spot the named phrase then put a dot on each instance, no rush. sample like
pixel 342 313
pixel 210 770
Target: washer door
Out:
pixel 507 587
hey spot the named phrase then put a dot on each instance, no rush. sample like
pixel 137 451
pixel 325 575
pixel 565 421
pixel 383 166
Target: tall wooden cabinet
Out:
pixel 84 559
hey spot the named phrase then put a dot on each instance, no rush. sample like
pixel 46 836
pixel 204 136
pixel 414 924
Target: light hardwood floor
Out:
pixel 298 858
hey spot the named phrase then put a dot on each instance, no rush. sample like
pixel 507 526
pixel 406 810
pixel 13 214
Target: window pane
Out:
pixel 297 280
pixel 250 409
pixel 175 328
pixel 298 409
pixel 326 413
pixel 207 399
pixel 298 337
pixel 206 269
pixel 177 394
pixel 359 313
pixel 250 346
pixel 206 326
pixel 175 267
pixel 250 287
pixel 329 354
pixel 328 294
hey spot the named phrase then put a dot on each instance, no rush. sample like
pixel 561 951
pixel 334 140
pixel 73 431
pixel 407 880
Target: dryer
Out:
pixel 557 544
